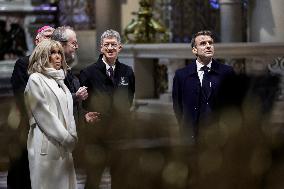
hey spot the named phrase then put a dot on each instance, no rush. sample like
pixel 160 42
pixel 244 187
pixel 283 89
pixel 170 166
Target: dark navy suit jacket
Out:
pixel 186 94
pixel 112 99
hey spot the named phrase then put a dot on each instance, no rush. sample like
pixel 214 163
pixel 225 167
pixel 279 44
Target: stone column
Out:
pixel 266 24
pixel 108 16
pixel 172 66
pixel 266 21
pixel 231 20
pixel 232 26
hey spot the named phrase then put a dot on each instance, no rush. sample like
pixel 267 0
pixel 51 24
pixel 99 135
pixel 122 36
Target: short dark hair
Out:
pixel 202 32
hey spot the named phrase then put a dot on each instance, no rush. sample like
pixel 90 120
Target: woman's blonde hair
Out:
pixel 39 59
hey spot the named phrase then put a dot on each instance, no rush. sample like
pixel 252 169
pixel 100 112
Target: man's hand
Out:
pixel 82 93
pixel 92 117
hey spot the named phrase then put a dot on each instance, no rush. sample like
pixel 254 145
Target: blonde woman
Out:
pixel 52 135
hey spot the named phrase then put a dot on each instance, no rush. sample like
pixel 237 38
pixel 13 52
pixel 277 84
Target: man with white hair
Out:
pixel 68 39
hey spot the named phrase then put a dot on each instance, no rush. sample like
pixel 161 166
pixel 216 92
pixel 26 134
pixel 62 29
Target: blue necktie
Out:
pixel 206 85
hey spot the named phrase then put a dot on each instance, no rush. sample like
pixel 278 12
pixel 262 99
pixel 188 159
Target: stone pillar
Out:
pixel 266 24
pixel 231 20
pixel 108 16
pixel 266 21
pixel 144 73
pixel 172 66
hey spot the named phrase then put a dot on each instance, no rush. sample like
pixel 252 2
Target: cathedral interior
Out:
pixel 244 151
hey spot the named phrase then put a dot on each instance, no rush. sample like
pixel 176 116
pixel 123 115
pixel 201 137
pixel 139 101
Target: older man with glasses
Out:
pixel 67 37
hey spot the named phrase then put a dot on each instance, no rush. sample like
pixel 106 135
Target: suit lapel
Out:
pixel 117 73
pixel 106 83
pixel 192 73
pixel 213 73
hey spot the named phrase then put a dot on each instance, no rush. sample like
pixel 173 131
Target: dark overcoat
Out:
pixel 186 94
pixel 111 98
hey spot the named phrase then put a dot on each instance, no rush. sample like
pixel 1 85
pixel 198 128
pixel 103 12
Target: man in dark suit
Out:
pixel 197 87
pixel 18 173
pixel 68 39
pixel 111 87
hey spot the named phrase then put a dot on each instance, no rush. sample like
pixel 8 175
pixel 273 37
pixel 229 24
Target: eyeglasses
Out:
pixel 73 44
pixel 112 45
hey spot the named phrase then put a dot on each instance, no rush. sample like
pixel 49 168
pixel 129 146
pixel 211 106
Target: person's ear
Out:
pixel 119 48
pixel 194 50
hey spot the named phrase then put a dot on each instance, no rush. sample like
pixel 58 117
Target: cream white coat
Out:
pixel 52 135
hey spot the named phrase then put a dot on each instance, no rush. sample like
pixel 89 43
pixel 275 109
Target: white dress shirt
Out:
pixel 108 66
pixel 200 72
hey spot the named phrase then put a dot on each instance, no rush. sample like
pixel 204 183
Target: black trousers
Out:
pixel 19 173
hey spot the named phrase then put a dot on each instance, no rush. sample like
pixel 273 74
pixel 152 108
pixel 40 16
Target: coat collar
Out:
pixel 215 67
pixel 102 67
pixel 192 68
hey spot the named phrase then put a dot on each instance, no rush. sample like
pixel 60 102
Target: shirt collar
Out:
pixel 199 65
pixel 108 66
